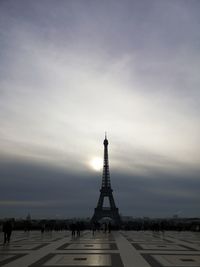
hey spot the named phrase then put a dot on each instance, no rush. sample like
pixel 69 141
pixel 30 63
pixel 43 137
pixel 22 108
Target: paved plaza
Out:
pixel 117 249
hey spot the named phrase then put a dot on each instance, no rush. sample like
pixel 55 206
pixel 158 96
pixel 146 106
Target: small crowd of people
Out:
pixel 106 227
pixel 76 229
pixel 7 230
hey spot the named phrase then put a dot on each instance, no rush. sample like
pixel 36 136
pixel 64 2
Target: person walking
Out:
pixel 78 229
pixel 105 227
pixel 7 229
pixel 109 227
pixel 73 229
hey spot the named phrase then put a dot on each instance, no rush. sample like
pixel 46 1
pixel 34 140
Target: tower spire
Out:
pixel 106 172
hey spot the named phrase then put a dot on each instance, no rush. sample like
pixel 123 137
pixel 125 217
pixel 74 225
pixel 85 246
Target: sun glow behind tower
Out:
pixel 96 164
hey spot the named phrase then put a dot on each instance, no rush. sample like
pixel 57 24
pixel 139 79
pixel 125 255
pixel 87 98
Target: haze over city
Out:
pixel 71 70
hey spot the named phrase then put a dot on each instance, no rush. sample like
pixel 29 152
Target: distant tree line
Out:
pixel 162 225
pixel 180 224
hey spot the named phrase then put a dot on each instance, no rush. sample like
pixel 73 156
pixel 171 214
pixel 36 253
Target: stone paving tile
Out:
pixel 118 249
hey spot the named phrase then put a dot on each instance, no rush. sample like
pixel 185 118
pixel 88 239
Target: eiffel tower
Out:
pixel 106 192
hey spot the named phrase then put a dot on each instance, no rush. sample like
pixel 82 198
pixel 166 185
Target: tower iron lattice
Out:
pixel 106 192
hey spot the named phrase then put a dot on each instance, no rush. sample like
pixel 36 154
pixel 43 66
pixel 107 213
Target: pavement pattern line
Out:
pixel 150 249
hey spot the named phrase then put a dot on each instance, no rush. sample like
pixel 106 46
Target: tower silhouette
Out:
pixel 106 192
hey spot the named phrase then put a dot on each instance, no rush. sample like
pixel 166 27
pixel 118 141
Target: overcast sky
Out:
pixel 71 70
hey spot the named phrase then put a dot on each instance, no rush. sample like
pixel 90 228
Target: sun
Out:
pixel 96 163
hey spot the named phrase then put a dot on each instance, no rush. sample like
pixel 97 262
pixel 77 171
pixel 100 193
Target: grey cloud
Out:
pixel 36 188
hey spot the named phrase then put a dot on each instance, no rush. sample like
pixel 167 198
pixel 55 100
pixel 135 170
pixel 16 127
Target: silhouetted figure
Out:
pixel 109 227
pixel 7 229
pixel 73 229
pixel 42 228
pixel 95 226
pixel 78 229
pixel 98 226
pixel 105 227
pixel 27 223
